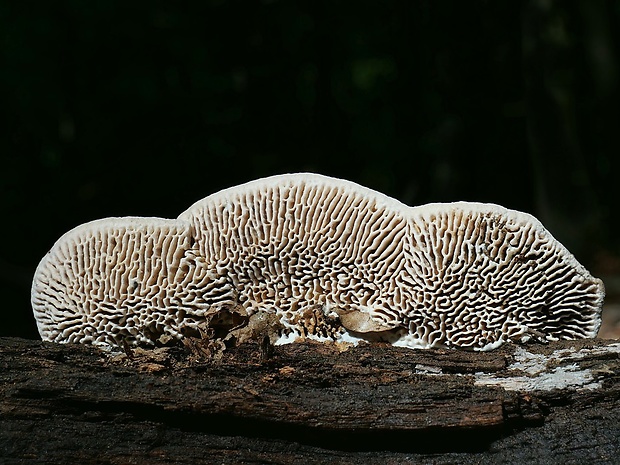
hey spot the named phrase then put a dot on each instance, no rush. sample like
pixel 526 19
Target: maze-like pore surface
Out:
pixel 330 259
pixel 124 280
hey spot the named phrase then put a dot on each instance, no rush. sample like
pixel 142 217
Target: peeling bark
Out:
pixel 309 403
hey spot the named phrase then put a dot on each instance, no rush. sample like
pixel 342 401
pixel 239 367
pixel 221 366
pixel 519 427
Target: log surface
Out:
pixel 309 403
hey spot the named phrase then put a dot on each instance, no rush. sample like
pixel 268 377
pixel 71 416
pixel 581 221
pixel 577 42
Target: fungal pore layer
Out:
pixel 320 258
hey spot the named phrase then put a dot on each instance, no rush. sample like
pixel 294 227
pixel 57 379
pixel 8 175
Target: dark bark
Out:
pixel 305 403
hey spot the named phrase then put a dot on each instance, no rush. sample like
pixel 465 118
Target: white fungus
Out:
pixel 331 260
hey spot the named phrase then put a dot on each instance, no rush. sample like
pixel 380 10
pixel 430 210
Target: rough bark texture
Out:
pixel 307 403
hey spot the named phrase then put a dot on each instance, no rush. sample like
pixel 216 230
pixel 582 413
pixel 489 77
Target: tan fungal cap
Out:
pixel 325 258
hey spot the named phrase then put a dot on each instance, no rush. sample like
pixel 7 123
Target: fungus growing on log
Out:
pixel 321 258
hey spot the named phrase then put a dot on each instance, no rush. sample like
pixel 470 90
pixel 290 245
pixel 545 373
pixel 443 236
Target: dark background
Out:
pixel 111 108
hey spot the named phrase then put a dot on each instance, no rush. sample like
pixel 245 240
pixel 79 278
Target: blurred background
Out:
pixel 111 108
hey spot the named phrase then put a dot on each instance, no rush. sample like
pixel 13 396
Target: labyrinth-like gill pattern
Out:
pixel 462 274
pixel 124 280
pixel 311 250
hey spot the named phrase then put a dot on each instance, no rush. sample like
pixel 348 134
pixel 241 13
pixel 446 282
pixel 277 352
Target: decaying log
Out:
pixel 309 403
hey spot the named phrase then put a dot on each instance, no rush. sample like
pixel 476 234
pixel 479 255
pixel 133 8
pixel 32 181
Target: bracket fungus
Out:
pixel 320 258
